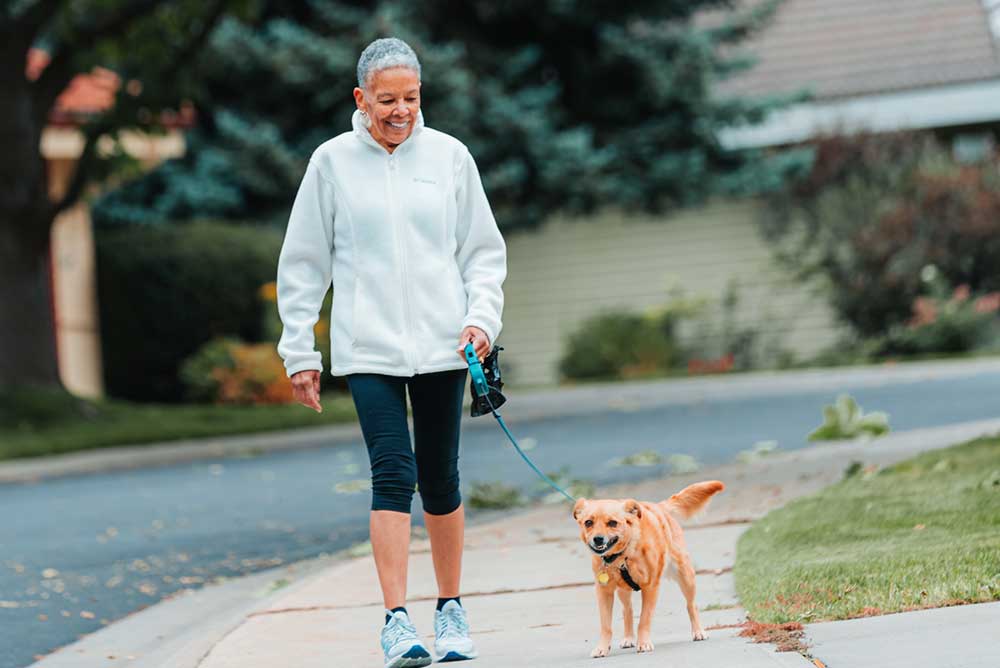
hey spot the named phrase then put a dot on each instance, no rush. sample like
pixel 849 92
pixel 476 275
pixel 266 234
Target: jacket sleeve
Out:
pixel 305 267
pixel 481 252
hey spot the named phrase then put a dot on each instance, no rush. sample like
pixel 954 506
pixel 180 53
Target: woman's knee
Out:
pixel 394 477
pixel 398 500
pixel 440 496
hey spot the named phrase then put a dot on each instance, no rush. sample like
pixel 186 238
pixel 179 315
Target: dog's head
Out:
pixel 607 525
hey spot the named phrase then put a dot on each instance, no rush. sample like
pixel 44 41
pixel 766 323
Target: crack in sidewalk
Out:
pixel 497 592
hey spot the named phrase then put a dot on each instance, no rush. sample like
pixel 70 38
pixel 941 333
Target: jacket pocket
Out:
pixel 363 314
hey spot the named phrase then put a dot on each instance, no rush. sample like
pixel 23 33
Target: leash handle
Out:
pixel 476 372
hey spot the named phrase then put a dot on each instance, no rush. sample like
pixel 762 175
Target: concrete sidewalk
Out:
pixel 528 588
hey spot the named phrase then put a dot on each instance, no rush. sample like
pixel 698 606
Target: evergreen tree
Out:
pixel 565 105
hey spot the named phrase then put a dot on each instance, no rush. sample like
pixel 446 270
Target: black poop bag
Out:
pixel 491 368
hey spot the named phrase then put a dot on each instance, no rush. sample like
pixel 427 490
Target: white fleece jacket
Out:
pixel 410 245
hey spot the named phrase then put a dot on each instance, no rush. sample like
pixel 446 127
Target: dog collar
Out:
pixel 609 559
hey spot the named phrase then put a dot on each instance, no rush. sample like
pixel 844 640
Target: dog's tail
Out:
pixel 693 498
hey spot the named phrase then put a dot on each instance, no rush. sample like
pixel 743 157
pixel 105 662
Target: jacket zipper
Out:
pixel 401 246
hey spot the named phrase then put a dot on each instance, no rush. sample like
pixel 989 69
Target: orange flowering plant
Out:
pixel 230 371
pixel 945 320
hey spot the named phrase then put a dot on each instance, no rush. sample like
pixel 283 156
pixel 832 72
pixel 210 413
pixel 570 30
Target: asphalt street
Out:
pixel 79 552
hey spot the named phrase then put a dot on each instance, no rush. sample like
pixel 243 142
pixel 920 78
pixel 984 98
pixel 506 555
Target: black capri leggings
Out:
pixel 432 464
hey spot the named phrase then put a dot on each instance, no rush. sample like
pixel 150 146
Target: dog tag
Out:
pixel 603 578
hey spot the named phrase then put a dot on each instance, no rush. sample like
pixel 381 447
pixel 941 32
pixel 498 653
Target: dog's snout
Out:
pixel 598 540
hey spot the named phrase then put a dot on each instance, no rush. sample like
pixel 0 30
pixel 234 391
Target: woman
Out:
pixel 394 214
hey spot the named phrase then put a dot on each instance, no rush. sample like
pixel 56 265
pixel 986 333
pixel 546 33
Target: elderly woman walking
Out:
pixel 393 213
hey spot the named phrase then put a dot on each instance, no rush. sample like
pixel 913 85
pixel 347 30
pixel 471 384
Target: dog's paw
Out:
pixel 627 642
pixel 600 651
pixel 644 646
pixel 699 635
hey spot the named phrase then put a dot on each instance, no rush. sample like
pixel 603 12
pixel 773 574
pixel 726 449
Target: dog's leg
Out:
pixel 625 596
pixel 649 596
pixel 605 604
pixel 685 579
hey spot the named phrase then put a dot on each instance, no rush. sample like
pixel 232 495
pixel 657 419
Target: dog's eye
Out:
pixel 588 523
pixel 612 523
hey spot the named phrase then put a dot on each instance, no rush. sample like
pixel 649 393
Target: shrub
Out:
pixel 228 371
pixel 164 291
pixel 944 323
pixel 875 210
pixel 623 344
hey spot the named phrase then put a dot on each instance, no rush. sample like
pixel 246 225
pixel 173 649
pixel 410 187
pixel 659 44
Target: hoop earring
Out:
pixel 367 122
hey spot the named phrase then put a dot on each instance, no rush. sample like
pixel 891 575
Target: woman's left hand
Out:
pixel 480 342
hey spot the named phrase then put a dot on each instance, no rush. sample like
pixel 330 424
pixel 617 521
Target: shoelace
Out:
pixel 453 623
pixel 397 630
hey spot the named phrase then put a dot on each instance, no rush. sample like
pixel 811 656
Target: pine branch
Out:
pixel 188 51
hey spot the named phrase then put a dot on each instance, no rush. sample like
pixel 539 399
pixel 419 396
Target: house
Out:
pixel 905 64
pixel 913 65
pixel 71 255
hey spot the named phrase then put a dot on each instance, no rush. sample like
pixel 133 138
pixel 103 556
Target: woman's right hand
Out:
pixel 305 389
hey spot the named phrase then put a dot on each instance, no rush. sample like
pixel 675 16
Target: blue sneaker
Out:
pixel 451 634
pixel 400 643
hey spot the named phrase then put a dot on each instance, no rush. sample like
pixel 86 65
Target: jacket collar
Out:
pixel 362 133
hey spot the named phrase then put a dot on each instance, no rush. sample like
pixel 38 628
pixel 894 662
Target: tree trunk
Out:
pixel 27 333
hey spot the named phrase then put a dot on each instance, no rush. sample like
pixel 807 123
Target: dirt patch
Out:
pixel 716 627
pixel 867 611
pixel 787 637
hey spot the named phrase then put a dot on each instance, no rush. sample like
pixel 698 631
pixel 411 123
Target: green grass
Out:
pixel 35 423
pixel 923 533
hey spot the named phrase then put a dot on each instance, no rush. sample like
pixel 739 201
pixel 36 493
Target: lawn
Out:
pixel 44 423
pixel 922 533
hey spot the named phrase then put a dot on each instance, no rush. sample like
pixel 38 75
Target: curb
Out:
pixel 528 406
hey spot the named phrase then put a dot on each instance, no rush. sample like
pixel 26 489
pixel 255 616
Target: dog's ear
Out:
pixel 578 507
pixel 632 507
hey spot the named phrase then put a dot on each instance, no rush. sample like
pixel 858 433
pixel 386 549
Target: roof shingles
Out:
pixel 845 48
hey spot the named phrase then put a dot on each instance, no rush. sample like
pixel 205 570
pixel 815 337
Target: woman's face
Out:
pixel 391 102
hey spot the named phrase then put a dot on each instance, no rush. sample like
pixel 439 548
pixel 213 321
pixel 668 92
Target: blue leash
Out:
pixel 482 389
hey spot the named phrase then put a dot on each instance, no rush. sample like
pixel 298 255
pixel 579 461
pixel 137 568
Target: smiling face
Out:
pixel 391 100
pixel 607 526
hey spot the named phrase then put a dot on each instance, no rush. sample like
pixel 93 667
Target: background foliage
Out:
pixel 163 291
pixel 587 103
pixel 876 210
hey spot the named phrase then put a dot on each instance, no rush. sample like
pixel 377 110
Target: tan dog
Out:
pixel 633 541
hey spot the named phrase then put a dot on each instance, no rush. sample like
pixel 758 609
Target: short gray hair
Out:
pixel 385 53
